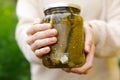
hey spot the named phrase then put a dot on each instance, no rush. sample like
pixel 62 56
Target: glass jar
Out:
pixel 69 50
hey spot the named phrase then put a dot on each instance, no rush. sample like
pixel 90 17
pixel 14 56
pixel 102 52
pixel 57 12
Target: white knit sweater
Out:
pixel 103 15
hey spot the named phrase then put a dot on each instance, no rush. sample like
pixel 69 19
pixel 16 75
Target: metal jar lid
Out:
pixel 55 5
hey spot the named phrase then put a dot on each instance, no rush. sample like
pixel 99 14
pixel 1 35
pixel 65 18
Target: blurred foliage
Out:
pixel 13 65
pixel 119 61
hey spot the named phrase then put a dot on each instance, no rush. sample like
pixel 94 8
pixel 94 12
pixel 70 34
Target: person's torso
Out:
pixel 90 10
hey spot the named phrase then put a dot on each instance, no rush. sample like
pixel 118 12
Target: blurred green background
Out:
pixel 13 66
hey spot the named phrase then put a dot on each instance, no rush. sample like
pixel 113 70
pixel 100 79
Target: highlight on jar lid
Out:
pixel 55 5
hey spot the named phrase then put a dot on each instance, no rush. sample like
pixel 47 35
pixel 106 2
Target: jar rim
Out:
pixel 56 5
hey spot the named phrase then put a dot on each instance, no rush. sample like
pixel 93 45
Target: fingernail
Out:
pixel 47 24
pixel 53 39
pixel 53 32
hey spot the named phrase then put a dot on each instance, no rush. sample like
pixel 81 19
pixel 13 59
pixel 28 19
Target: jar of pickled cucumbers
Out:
pixel 68 52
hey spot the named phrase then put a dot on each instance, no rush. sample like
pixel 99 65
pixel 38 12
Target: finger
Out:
pixel 88 64
pixel 66 69
pixel 44 42
pixel 40 52
pixel 41 35
pixel 38 27
pixel 88 38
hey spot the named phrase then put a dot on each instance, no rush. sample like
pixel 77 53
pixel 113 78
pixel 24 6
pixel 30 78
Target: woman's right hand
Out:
pixel 40 36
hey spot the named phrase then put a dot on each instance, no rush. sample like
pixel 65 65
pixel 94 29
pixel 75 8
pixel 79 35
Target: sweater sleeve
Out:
pixel 107 33
pixel 26 12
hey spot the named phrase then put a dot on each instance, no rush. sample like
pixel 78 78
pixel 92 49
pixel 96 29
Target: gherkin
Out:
pixel 68 52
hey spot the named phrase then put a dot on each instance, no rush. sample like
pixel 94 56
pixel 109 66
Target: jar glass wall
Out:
pixel 68 51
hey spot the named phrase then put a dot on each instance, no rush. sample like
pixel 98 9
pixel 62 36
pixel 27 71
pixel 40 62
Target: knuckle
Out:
pixel 28 40
pixel 28 33
pixel 32 48
pixel 90 65
pixel 35 45
pixel 37 35
pixel 35 27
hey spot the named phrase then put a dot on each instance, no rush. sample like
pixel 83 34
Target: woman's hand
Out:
pixel 89 50
pixel 40 36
